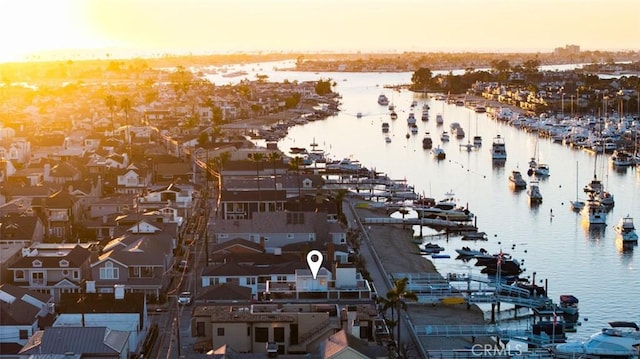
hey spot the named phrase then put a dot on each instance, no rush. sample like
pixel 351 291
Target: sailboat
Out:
pixel 596 189
pixel 577 205
pixel 535 167
pixel 477 139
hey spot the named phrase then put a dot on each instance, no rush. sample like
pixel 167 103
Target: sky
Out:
pixel 227 26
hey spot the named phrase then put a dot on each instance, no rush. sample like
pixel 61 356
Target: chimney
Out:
pixel 331 250
pixel 47 172
pixel 262 242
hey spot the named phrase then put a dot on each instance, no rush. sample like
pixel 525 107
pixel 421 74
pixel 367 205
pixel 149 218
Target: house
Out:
pixel 21 228
pixel 177 196
pixel 22 312
pixel 120 204
pixel 294 327
pixel 92 341
pixel 61 209
pixel 133 180
pixel 278 229
pixel 52 268
pixel 119 311
pixel 62 172
pixel 343 345
pixel 139 259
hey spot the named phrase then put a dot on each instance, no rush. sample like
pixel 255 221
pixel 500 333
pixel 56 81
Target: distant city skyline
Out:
pixel 228 26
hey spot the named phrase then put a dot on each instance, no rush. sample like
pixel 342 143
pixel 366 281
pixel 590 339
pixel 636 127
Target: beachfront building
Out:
pixel 291 328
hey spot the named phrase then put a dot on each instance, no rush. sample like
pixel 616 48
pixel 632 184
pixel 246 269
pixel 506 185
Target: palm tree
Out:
pixel 295 163
pixel 125 105
pixel 274 157
pixel 257 157
pixel 111 103
pixel 398 297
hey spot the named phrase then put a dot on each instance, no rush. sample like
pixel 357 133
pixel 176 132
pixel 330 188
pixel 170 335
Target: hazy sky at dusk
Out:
pixel 317 25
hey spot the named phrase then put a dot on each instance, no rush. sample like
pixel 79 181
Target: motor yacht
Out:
pixel 620 340
pixel 626 229
pixel 594 211
pixel 535 196
pixel 444 137
pixel 498 149
pixel 516 179
pixel 438 153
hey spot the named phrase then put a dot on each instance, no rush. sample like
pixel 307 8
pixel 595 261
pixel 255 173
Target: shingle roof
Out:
pixel 76 257
pixel 89 340
pixel 226 292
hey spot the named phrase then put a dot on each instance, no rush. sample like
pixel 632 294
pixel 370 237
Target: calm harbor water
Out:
pixel 553 241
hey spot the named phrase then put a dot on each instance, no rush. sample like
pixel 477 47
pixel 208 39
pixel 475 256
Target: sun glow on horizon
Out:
pixel 225 26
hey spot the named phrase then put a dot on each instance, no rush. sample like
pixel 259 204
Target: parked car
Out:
pixel 184 298
pixel 182 266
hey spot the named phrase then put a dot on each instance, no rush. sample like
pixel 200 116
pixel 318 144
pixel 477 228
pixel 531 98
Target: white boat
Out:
pixel 427 142
pixel 438 153
pixel 541 170
pixel 516 180
pixel 387 139
pixel 535 167
pixel 477 140
pixel 414 128
pixel 498 149
pixel 411 119
pixel 577 205
pixel 385 127
pixel 445 136
pixel 393 115
pixel 468 252
pixel 345 164
pixel 627 230
pixel 621 158
pixel 383 100
pixel 535 196
pixel 425 114
pixel 439 119
pixel 594 211
pixel 621 340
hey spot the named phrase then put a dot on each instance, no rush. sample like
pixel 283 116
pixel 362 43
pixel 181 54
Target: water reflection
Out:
pixel 594 232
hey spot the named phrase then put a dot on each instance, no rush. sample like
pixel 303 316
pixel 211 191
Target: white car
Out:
pixel 184 298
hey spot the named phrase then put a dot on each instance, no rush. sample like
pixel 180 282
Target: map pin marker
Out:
pixel 314 265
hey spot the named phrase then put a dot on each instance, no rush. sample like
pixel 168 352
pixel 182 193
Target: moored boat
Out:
pixel 627 230
pixel 498 149
pixel 620 340
pixel 516 180
pixel 438 153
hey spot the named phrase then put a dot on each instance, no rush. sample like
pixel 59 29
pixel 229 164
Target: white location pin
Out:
pixel 314 265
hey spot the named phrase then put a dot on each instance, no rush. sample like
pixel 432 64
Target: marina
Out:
pixel 547 236
pixel 548 239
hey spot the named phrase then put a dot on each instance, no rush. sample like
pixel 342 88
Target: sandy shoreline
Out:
pixel 399 254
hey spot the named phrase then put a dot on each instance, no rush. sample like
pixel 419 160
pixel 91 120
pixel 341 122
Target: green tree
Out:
pixel 274 157
pixel 295 164
pixel 257 157
pixel 111 103
pixel 323 87
pixel 397 298
pixel 421 78
pixel 125 106
pixel 261 78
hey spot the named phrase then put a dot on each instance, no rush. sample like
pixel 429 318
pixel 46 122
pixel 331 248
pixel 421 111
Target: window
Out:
pixel 290 236
pixel 221 332
pixel 214 281
pixel 36 263
pixel 109 271
pixel 24 334
pixel 251 280
pixel 278 334
pixel 76 274
pixel 281 278
pixel 248 331
pixel 19 275
pixel 262 335
pixel 64 263
pixel 37 278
